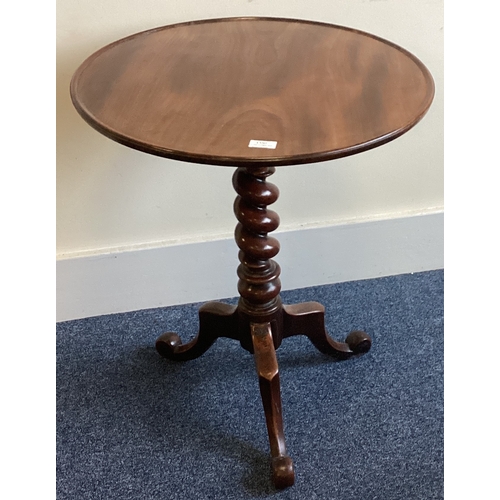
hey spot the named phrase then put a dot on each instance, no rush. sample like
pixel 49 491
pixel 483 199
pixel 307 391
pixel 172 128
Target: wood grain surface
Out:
pixel 201 91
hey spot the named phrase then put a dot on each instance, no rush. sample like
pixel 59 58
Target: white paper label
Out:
pixel 262 144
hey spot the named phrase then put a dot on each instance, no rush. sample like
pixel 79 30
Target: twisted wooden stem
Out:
pixel 259 284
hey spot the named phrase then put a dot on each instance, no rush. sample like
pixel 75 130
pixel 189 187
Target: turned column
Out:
pixel 259 284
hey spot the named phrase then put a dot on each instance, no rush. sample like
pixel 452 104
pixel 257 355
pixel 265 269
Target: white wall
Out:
pixel 111 198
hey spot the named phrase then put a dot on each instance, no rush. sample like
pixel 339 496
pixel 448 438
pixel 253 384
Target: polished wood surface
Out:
pixel 266 365
pixel 201 91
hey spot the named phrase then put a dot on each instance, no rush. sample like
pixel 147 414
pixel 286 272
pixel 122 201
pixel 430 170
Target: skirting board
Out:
pixel 196 272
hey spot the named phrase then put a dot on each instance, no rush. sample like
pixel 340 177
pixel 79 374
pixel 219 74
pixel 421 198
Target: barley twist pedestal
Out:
pixel 255 94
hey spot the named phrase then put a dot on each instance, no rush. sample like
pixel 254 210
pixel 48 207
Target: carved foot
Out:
pixel 309 319
pixel 282 472
pixel 216 320
pixel 267 368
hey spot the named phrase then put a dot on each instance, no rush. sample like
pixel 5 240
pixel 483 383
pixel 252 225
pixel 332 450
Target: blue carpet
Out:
pixel 132 425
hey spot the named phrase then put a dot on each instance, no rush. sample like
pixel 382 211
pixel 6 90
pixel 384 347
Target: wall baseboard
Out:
pixel 196 272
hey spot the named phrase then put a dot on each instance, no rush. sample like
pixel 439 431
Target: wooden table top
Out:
pixel 252 91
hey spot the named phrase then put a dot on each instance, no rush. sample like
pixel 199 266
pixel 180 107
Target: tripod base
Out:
pixel 262 336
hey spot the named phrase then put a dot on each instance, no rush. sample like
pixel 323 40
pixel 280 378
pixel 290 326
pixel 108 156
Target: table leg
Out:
pixel 269 382
pixel 308 319
pixel 216 320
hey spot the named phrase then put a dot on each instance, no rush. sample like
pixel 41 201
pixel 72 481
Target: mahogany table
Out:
pixel 254 93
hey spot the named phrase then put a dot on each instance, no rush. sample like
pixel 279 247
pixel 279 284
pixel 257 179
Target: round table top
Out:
pixel 252 91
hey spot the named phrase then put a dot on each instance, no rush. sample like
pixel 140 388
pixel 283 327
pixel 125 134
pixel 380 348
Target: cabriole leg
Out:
pixel 269 382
